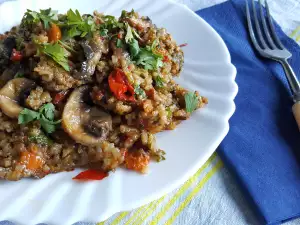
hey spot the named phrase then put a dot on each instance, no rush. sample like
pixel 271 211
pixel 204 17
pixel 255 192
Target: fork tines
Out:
pixel 265 37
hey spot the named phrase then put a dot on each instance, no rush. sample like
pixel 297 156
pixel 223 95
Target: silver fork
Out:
pixel 269 46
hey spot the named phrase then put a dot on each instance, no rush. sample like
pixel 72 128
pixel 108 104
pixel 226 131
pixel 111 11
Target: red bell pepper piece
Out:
pixel 120 86
pixel 91 174
pixel 16 55
pixel 60 96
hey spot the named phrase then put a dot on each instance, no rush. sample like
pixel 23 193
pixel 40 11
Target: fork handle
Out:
pixel 296 111
pixel 292 79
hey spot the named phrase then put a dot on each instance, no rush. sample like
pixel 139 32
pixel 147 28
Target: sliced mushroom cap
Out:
pixel 13 94
pixel 86 124
pixel 93 55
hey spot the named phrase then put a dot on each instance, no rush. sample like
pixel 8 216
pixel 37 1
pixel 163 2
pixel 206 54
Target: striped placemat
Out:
pixel 166 209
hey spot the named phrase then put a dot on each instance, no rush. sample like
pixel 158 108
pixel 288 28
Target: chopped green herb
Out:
pixel 148 59
pixel 127 14
pixel 154 44
pixel 48 125
pixel 74 18
pixel 136 34
pixel 120 43
pixel 48 111
pixel 45 117
pixel 129 36
pixel 103 32
pixel 73 32
pixel 159 81
pixel 110 22
pixel 79 26
pixel 57 53
pixel 134 48
pixel 19 75
pixel 27 115
pixel 191 101
pixel 46 16
pixel 66 46
pixel 139 91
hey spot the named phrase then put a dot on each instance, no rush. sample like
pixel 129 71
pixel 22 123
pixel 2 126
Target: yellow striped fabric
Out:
pixel 296 34
pixel 163 210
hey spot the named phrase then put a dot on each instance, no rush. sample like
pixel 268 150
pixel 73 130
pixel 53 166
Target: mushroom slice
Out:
pixel 12 95
pixel 86 124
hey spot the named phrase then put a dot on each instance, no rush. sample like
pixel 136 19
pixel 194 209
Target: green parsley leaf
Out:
pixel 159 81
pixel 191 101
pixel 78 25
pixel 45 116
pixel 48 111
pixel 139 91
pixel 46 16
pixel 57 53
pixel 154 44
pixel 103 32
pixel 19 75
pixel 148 59
pixel 120 43
pixel 134 48
pixel 40 139
pixel 48 125
pixel 73 32
pixel 136 34
pixel 27 115
pixel 74 17
pixel 129 36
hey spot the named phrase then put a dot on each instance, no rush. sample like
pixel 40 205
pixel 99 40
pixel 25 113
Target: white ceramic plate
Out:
pixel 57 199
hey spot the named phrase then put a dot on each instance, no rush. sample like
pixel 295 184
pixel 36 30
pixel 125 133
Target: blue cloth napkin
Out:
pixel 263 145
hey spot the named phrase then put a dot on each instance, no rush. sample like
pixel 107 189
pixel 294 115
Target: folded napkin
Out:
pixel 262 148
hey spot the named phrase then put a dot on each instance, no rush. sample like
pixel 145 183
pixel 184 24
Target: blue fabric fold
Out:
pixel 262 148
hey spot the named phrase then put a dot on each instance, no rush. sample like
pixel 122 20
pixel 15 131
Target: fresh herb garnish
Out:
pixel 148 59
pixel 72 32
pixel 27 115
pixel 57 53
pixel 79 26
pixel 120 43
pixel 45 116
pixel 46 16
pixel 125 14
pixel 191 101
pixel 154 44
pixel 110 22
pixel 129 36
pixel 139 91
pixel 159 81
pixel 134 48
pixel 104 32
pixel 19 75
